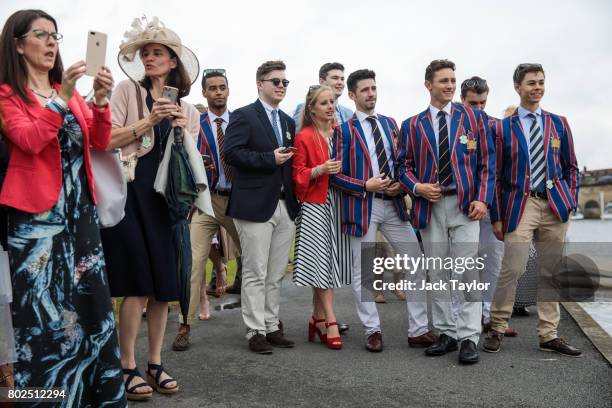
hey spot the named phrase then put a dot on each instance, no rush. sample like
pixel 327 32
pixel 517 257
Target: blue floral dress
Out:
pixel 62 313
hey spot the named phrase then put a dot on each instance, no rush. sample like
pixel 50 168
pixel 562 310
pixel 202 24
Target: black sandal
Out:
pixel 154 380
pixel 131 395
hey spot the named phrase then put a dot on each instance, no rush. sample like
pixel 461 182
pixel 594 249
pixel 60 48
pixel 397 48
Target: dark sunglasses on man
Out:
pixel 277 81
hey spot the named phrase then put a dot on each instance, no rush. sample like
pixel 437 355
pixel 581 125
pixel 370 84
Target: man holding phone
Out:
pixel 448 161
pixel 262 203
pixel 372 199
pixel 211 140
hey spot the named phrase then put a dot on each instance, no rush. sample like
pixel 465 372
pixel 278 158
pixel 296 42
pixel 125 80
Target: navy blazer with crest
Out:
pixel 256 178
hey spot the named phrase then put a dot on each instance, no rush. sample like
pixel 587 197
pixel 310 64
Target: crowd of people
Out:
pixel 449 181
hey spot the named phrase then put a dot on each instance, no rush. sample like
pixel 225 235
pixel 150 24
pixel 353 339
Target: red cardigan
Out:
pixel 34 176
pixel 311 151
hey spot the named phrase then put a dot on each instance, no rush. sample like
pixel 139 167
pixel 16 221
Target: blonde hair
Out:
pixel 311 98
pixel 509 111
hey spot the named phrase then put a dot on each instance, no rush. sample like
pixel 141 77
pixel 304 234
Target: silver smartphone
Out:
pixel 170 93
pixel 96 52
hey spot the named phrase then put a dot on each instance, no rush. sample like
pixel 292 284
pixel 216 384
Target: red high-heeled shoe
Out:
pixel 312 329
pixel 334 343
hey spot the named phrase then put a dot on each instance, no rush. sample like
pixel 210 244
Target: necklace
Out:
pixel 45 97
pixel 319 137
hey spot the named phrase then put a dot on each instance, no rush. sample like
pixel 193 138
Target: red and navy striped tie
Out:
pixel 444 175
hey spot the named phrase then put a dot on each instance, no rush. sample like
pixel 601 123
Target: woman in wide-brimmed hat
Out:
pixel 141 262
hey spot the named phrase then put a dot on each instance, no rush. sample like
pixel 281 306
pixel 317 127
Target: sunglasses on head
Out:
pixel 474 83
pixel 313 88
pixel 214 71
pixel 277 81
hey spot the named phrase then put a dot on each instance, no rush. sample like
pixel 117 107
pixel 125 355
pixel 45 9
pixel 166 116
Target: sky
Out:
pixel 397 39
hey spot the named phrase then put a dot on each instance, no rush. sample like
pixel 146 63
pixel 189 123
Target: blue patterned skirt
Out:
pixel 62 313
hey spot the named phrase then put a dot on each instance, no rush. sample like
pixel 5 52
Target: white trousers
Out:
pixel 451 233
pixel 265 253
pixel 402 238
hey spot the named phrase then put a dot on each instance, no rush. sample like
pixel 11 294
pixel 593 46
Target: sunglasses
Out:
pixel 474 83
pixel 43 35
pixel 313 88
pixel 214 71
pixel 276 81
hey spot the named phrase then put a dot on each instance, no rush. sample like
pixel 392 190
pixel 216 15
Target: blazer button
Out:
pixel 527 177
pixel 525 194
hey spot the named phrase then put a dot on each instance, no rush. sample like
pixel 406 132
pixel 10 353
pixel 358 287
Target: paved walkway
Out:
pixel 219 371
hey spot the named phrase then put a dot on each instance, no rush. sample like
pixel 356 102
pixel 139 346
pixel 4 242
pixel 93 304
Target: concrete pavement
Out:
pixel 219 371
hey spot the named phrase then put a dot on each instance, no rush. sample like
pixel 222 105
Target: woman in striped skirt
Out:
pixel 322 252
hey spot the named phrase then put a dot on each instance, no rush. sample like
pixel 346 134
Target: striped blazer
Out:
pixel 472 158
pixel 513 170
pixel 208 145
pixel 351 148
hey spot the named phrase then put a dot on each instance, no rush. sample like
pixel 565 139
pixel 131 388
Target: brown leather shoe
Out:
pixel 182 341
pixel 492 342
pixel 277 339
pixel 561 346
pixel 374 342
pixel 258 344
pixel 424 340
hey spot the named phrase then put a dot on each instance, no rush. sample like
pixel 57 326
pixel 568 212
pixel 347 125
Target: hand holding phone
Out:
pixel 289 149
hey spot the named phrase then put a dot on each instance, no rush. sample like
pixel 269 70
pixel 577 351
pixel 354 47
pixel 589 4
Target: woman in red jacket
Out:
pixel 322 253
pixel 62 315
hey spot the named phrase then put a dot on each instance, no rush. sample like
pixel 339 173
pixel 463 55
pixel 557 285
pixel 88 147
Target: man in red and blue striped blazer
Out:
pixel 536 189
pixel 447 160
pixel 372 199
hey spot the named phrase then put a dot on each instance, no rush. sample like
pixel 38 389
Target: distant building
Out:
pixel 592 184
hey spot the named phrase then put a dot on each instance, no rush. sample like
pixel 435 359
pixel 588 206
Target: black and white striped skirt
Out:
pixel 322 252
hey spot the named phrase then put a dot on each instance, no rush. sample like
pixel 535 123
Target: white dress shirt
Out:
pixel 367 131
pixel 269 110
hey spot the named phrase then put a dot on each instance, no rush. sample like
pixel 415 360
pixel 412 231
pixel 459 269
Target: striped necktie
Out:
pixel 381 155
pixel 221 143
pixel 536 155
pixel 444 174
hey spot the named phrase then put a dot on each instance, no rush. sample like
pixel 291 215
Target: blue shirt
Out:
pixel 342 114
pixel 526 123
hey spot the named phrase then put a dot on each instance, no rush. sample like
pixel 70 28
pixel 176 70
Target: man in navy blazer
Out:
pixel 537 187
pixel 262 203
pixel 448 161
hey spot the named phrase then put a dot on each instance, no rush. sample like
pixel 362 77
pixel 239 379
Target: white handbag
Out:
pixel 111 187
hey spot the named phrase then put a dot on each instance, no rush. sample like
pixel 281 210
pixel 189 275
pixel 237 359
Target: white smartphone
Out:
pixel 96 52
pixel 170 93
